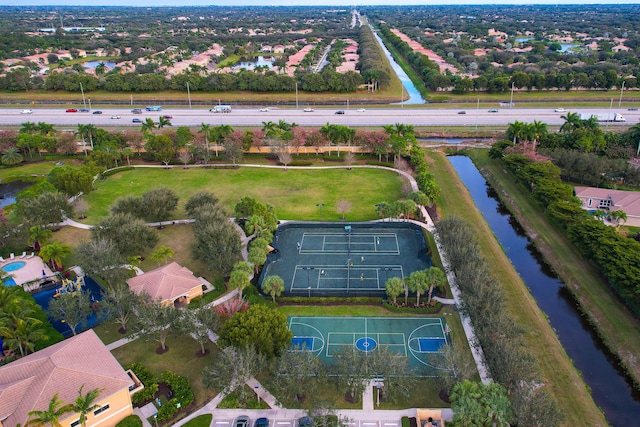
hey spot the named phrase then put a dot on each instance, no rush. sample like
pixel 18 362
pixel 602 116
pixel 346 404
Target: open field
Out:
pixel 293 193
pixel 564 381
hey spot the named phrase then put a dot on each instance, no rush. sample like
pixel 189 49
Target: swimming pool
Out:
pixel 13 266
pixel 9 282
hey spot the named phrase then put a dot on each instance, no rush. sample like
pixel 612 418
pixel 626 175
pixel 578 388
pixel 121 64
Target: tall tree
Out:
pixel 394 287
pixel 71 308
pixel 232 368
pixel 418 283
pixel 54 253
pixel 85 403
pixel 274 286
pixel 435 279
pixel 157 321
pixel 158 204
pixel 38 236
pixel 205 129
pixel 101 258
pixel 50 416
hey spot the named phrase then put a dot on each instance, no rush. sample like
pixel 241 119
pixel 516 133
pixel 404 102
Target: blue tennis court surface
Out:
pixel 345 260
pixel 417 338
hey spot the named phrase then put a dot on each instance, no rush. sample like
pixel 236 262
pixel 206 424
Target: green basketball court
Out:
pixel 418 338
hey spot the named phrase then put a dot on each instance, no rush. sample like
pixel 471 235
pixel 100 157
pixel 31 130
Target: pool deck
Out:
pixel 32 271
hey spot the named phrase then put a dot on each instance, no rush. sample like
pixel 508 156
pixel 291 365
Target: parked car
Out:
pixel 339 112
pixel 560 110
pixel 241 421
pixel 83 110
pixel 72 110
pixel 493 110
pixel 136 121
pixel 305 422
pixel 462 112
pixel 97 112
pixel 308 110
pixel 115 117
pixel 261 422
pixel 264 109
pixel 26 112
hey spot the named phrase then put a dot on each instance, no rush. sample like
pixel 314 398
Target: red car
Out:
pixel 72 110
pixel 167 117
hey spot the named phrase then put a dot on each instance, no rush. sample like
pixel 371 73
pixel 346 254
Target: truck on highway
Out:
pixel 221 109
pixel 154 108
pixel 612 117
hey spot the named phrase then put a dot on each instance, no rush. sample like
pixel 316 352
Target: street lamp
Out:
pixel 511 101
pixel 85 103
pixel 621 90
pixel 320 205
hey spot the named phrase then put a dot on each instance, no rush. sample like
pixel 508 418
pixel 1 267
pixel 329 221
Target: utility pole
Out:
pixel 83 101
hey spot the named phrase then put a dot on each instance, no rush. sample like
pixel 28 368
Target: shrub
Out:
pixel 405 422
pixel 168 410
pixel 180 387
pixel 130 421
pixel 145 395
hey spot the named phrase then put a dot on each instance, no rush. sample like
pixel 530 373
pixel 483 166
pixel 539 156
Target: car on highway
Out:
pixel 560 110
pixel 97 112
pixel 83 110
pixel 493 110
pixel 136 121
pixel 72 110
pixel 462 112
pixel 137 111
pixel 264 109
pixel 308 110
pixel 166 116
pixel 241 421
pixel 261 422
pixel 632 109
pixel 361 110
pixel 339 112
pixel 116 117
pixel 26 112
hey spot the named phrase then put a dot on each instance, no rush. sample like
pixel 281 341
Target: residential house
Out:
pixel 592 198
pixel 170 284
pixel 82 361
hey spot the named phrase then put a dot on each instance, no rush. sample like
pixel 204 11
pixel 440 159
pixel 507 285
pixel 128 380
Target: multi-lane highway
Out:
pixel 319 116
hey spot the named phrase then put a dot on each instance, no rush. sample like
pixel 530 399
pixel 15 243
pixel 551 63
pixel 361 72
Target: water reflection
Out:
pixel 610 388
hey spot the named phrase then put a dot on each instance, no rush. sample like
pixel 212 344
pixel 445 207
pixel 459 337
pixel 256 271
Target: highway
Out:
pixel 253 117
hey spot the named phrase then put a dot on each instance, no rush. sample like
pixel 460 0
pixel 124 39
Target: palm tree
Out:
pixel 44 128
pixel 538 129
pixel 87 131
pixel 38 236
pixel 394 287
pixel 51 415
pixel 85 404
pixel 516 131
pixel 571 122
pixel 22 333
pixel 163 253
pixel 12 156
pixel 148 125
pixel 270 129
pixel 219 133
pixel 418 283
pixel 618 218
pixel 163 121
pixel 435 278
pixel 28 127
pixel 205 129
pixel 54 253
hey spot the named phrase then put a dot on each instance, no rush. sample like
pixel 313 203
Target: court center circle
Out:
pixel 366 344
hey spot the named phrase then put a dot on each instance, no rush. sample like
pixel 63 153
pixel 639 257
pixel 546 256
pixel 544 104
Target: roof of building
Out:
pixel 29 383
pixel 627 201
pixel 165 283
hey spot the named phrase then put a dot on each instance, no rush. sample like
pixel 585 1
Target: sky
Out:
pixel 343 3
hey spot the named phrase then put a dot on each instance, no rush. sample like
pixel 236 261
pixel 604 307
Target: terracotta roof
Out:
pixel 29 383
pixel 627 201
pixel 165 283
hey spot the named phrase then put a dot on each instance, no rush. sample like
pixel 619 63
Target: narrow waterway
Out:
pixel 407 84
pixel 610 388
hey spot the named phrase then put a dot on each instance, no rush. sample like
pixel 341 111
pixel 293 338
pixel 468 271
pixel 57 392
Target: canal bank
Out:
pixel 560 377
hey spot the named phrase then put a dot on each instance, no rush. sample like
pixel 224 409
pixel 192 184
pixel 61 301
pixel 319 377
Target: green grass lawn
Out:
pixel 294 193
pixel 200 421
pixel 564 381
pixel 181 359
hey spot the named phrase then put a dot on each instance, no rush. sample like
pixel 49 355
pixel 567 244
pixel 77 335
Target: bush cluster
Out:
pixel 497 331
pixel 150 384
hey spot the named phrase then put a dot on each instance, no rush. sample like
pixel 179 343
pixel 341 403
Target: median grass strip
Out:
pixel 617 327
pixel 294 193
pixel 564 381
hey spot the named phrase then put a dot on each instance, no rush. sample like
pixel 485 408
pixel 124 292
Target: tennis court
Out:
pixel 345 259
pixel 418 338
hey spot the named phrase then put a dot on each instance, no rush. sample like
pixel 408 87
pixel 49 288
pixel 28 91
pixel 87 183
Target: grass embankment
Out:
pixel 618 329
pixel 563 380
pixel 294 193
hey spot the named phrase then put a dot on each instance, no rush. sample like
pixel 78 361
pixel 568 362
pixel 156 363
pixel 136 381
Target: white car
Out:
pixel 308 110
pixel 560 110
pixel 115 117
pixel 26 112
pixel 264 110
pixel 361 110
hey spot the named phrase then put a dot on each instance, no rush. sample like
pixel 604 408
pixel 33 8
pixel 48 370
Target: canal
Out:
pixel 610 388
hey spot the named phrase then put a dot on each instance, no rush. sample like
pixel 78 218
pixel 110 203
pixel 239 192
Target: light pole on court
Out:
pixel 320 205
